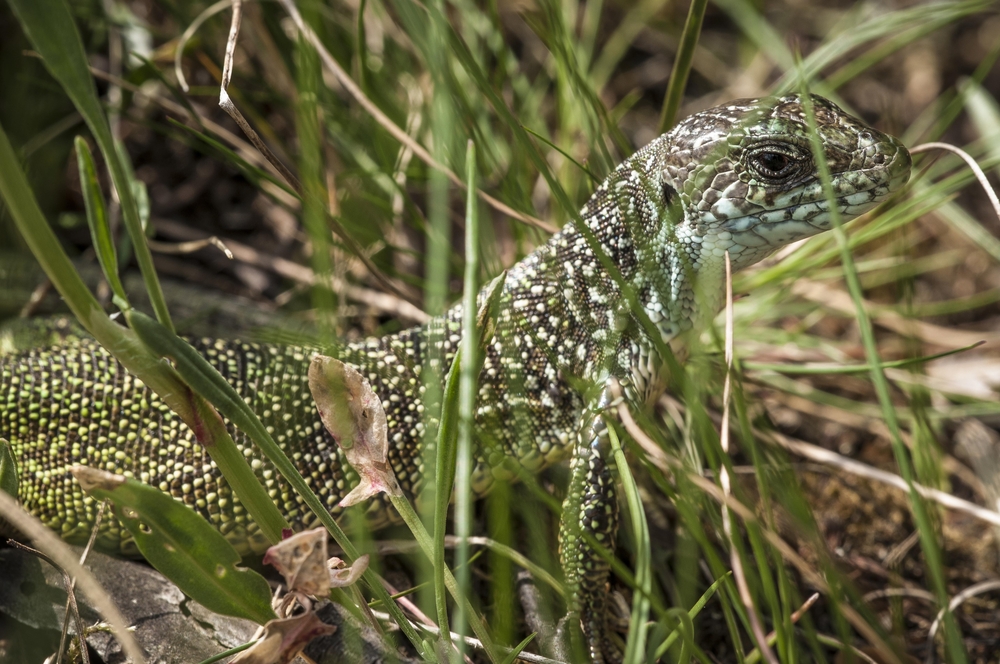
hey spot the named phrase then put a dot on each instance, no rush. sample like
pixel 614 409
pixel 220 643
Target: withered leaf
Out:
pixel 353 414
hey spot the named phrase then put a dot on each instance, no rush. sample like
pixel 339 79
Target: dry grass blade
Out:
pixel 371 126
pixel 476 643
pixel 425 620
pixel 71 607
pixel 186 36
pixel 936 335
pixel 734 555
pixel 190 247
pixel 979 446
pixel 797 615
pixel 876 427
pixel 901 592
pixel 71 610
pixel 806 605
pixel 957 601
pixel 826 457
pixel 226 104
pixel 967 158
pixel 820 455
pixel 242 148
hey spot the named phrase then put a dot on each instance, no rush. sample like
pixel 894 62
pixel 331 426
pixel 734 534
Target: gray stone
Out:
pixel 170 628
pixel 167 625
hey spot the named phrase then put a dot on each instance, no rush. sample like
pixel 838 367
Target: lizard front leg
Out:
pixel 590 515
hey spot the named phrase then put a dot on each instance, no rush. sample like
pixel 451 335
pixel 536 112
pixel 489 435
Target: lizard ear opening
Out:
pixel 669 194
pixel 671 204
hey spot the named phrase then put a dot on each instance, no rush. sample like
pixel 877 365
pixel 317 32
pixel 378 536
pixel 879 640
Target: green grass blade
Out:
pixel 682 65
pixel 227 653
pixel 619 41
pixel 8 469
pixel 692 613
pixel 461 51
pixel 444 479
pixel 512 655
pixel 28 217
pixel 202 376
pixel 208 383
pixel 757 30
pixel 984 111
pixel 120 342
pixel 361 48
pixel 53 33
pixel 254 174
pixel 810 369
pixel 897 28
pixel 97 219
pixel 440 392
pixel 426 543
pixel 468 370
pixel 861 64
pixel 136 186
pixel 174 90
pixel 183 546
pixel 314 196
pixel 635 647
pixel 568 156
pixel 447 452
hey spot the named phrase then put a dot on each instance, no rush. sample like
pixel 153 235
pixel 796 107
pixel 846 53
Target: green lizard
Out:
pixel 739 178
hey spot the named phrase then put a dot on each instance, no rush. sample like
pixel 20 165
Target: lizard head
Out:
pixel 742 178
pixel 746 179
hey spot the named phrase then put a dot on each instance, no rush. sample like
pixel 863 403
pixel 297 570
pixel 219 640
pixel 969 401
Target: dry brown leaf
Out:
pixel 301 559
pixel 353 415
pixel 284 639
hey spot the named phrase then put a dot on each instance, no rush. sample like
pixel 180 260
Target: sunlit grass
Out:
pixel 533 104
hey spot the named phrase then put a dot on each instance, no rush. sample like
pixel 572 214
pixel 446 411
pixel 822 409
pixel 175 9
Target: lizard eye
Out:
pixel 773 164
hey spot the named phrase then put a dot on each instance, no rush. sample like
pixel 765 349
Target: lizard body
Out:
pixel 739 178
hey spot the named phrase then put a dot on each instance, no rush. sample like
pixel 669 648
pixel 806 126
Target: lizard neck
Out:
pixel 640 221
pixel 564 298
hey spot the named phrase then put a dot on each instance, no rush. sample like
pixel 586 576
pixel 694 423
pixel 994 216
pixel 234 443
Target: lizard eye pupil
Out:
pixel 773 163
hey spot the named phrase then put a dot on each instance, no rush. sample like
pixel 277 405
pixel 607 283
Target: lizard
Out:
pixel 740 178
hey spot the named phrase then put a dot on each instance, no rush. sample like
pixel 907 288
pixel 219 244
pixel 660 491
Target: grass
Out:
pixel 537 93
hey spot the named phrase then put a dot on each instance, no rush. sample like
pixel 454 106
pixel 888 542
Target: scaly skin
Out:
pixel 737 178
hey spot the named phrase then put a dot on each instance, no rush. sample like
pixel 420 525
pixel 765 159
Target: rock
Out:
pixel 169 627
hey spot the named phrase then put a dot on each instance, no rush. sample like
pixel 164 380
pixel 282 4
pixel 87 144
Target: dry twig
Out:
pixel 384 302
